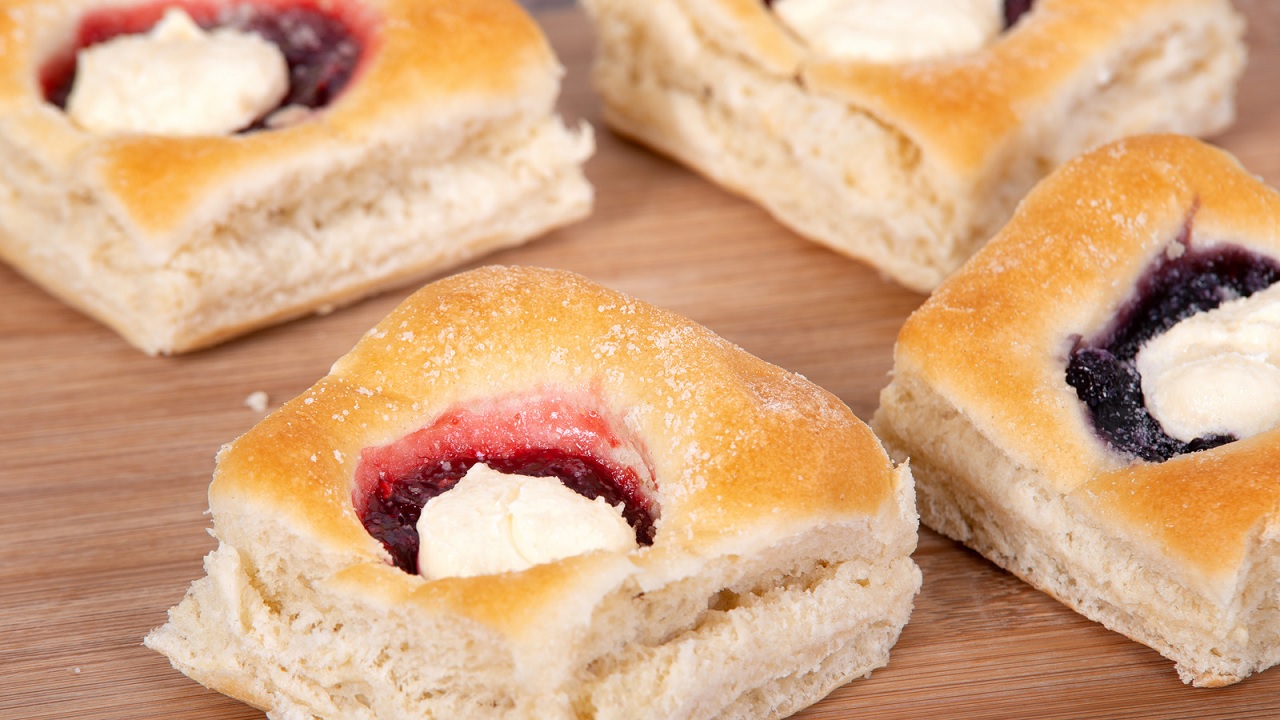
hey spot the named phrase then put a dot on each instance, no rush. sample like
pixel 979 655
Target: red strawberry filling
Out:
pixel 542 436
pixel 321 45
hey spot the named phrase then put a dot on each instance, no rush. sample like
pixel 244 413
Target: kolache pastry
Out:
pixel 188 171
pixel 903 132
pixel 1093 401
pixel 524 495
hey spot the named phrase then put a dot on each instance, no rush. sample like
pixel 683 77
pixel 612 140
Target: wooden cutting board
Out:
pixel 105 454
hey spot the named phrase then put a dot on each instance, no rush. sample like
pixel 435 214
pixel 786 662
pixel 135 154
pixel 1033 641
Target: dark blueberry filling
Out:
pixel 395 504
pixel 1112 389
pixel 1103 370
pixel 322 51
pixel 1014 10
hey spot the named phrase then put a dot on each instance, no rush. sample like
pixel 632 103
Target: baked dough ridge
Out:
pixel 780 569
pixel 910 167
pixel 443 147
pixel 1179 555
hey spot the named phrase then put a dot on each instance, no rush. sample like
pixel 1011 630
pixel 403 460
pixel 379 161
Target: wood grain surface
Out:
pixel 105 454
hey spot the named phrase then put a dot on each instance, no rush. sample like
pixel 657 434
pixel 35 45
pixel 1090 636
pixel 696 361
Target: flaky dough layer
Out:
pixel 443 146
pixel 780 568
pixel 1180 554
pixel 909 167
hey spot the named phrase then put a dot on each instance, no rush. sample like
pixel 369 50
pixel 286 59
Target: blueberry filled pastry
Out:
pixel 1093 401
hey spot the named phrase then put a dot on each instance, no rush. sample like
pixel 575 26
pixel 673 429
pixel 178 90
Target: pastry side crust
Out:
pixel 780 569
pixel 1177 555
pixel 443 146
pixel 908 167
pixel 970 492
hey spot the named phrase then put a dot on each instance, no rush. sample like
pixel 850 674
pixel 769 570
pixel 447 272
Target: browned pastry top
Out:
pixel 995 338
pixel 741 453
pixel 957 108
pixel 441 67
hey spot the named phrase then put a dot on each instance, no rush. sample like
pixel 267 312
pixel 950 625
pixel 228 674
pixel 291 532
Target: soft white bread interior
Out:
pixel 780 567
pixel 1182 555
pixel 908 166
pixel 444 146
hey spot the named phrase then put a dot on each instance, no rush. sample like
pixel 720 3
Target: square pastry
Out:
pixel 903 132
pixel 1093 401
pixel 188 171
pixel 523 495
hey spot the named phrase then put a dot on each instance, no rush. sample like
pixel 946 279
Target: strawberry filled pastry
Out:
pixel 524 495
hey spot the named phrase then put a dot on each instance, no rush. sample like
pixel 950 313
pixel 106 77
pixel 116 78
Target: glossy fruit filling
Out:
pixel 1103 371
pixel 1014 10
pixel 321 45
pixel 520 436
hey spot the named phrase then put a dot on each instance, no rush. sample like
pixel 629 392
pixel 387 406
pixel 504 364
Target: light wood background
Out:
pixel 105 454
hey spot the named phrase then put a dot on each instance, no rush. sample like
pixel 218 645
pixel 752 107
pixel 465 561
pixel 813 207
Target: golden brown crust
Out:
pixel 743 453
pixel 962 109
pixel 909 166
pixel 994 339
pixel 434 57
pixel 182 242
pixel 1179 554
pixel 1205 508
pixel 780 567
pixel 1059 270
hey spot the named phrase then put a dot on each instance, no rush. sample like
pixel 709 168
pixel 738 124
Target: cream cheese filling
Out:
pixel 177 79
pixel 892 30
pixel 1217 372
pixel 492 522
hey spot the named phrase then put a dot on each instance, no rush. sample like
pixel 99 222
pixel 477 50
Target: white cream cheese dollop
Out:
pixel 177 80
pixel 492 522
pixel 1217 372
pixel 892 30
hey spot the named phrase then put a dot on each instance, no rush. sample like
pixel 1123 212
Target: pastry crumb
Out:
pixel 257 401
